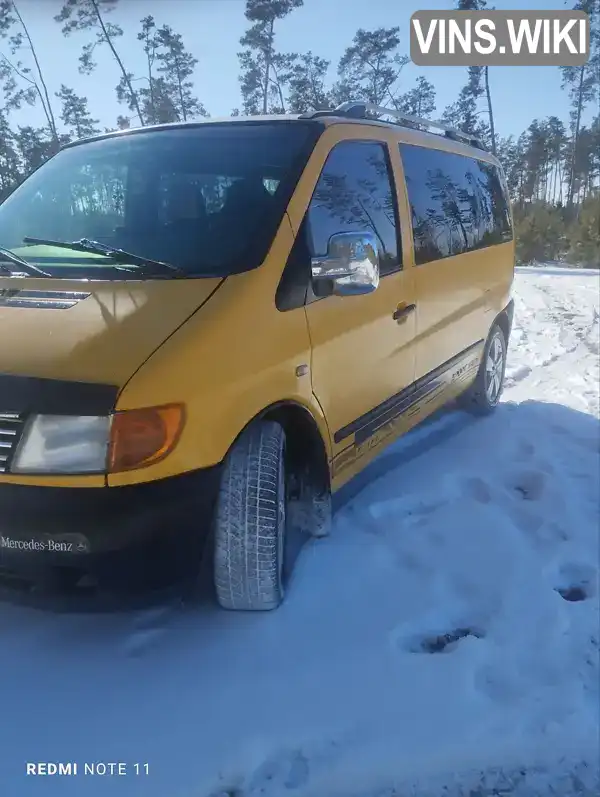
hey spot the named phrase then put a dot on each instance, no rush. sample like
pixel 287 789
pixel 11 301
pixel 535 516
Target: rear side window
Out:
pixel 457 203
pixel 356 193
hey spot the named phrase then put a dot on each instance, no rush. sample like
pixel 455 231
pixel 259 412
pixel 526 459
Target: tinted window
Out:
pixel 457 203
pixel 499 201
pixel 355 193
pixel 208 198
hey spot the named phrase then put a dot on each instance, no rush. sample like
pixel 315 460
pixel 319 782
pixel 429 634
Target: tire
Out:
pixel 249 522
pixel 483 396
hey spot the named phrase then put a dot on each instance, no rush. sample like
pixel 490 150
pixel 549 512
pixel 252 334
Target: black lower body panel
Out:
pixel 103 531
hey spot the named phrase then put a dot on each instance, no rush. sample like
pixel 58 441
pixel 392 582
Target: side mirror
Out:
pixel 351 264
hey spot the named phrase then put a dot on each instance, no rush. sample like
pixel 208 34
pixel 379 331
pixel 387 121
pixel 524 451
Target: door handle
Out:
pixel 403 311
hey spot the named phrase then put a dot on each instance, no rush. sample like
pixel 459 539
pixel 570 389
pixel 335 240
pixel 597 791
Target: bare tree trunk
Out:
pixel 281 99
pixel 488 95
pixel 561 174
pixel 277 84
pixel 521 190
pixel 35 87
pixel 313 85
pixel 108 40
pixel 151 89
pixel 546 180
pixel 48 104
pixel 571 186
pixel 268 59
pixel 180 91
pixel 373 226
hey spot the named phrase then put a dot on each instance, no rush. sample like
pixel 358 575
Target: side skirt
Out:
pixel 374 430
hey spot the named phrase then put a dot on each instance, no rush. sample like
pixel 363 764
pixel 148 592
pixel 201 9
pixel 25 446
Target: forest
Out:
pixel 552 167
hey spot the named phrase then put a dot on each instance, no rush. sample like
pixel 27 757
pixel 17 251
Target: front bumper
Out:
pixel 43 527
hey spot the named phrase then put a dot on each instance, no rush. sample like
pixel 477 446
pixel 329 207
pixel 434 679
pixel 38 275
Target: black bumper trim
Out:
pixel 63 526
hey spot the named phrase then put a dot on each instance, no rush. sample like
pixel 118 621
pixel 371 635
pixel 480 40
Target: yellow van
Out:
pixel 208 328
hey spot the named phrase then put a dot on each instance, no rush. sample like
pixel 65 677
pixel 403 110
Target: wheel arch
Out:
pixel 305 442
pixel 504 320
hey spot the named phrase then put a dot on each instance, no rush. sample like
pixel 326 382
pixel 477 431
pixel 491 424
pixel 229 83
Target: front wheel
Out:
pixel 483 396
pixel 250 521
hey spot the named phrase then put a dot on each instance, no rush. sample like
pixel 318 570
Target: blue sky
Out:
pixel 212 29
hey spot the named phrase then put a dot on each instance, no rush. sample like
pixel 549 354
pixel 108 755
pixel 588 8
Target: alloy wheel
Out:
pixel 494 368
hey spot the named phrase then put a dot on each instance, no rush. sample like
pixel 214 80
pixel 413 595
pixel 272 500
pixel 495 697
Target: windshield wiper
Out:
pixel 118 255
pixel 27 268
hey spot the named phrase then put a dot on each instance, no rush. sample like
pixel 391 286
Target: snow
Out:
pixel 467 528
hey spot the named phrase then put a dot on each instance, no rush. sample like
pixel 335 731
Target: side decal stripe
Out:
pixel 368 423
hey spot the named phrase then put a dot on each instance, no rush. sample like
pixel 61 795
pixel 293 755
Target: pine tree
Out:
pixel 479 76
pixel 305 80
pixel 370 68
pixel 177 65
pixel 583 84
pixel 17 85
pixel 35 146
pixel 419 101
pixel 75 114
pixel 150 43
pixel 88 15
pixel 261 66
pixel 556 141
pixel 10 173
pixel 21 83
pixel 584 236
pixel 167 91
pixel 464 113
pixel 540 233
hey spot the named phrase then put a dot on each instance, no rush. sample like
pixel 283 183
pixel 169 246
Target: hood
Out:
pixel 91 331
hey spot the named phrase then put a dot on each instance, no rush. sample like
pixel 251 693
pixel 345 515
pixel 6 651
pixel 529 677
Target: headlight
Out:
pixel 63 444
pixel 98 444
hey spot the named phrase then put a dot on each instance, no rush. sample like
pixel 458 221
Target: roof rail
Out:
pixel 359 110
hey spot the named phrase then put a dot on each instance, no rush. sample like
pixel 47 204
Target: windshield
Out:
pixel 207 199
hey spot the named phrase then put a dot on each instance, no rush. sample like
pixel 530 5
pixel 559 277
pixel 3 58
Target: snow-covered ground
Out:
pixel 359 685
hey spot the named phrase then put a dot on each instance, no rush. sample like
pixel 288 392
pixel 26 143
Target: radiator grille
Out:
pixel 11 428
